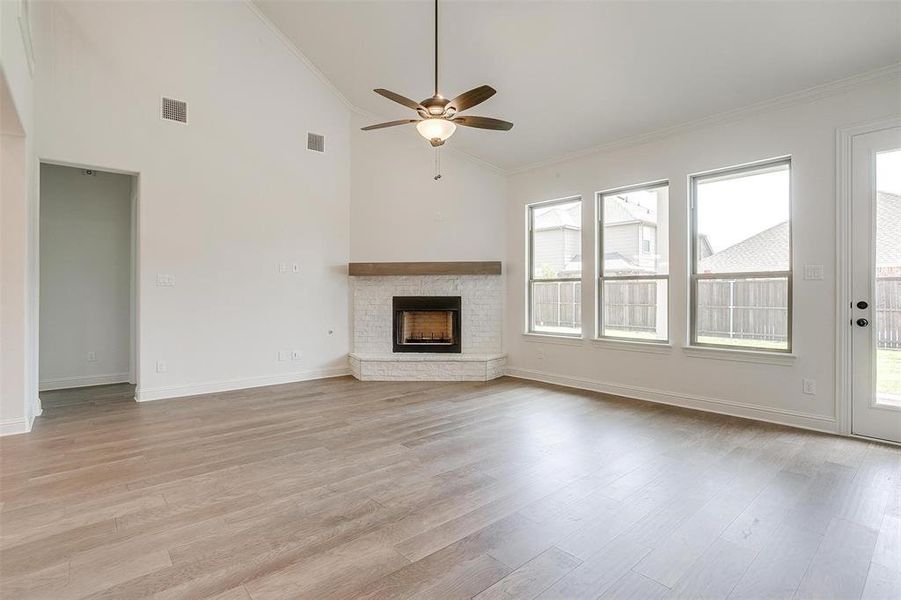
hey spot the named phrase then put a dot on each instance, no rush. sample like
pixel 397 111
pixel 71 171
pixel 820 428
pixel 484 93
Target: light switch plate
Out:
pixel 165 280
pixel 161 366
pixel 813 272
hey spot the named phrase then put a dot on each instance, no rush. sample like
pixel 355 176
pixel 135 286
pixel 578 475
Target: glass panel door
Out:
pixel 876 284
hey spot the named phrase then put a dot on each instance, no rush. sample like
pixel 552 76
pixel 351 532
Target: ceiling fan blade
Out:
pixel 390 124
pixel 472 97
pixel 484 123
pixel 399 99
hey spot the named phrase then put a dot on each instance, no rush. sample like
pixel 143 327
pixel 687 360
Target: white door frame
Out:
pixel 35 272
pixel 843 205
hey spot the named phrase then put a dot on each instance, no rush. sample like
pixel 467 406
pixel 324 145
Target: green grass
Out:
pixel 888 373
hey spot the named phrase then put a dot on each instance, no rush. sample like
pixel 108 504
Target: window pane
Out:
pixel 888 278
pixel 635 309
pixel 557 241
pixel 636 232
pixel 743 312
pixel 743 221
pixel 557 307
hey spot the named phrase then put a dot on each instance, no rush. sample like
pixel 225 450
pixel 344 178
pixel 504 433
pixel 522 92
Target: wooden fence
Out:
pixel 888 312
pixel 557 304
pixel 752 309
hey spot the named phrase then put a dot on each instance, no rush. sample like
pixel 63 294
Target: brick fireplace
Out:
pixel 427 327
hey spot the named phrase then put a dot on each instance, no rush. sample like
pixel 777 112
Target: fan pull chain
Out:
pixel 437 163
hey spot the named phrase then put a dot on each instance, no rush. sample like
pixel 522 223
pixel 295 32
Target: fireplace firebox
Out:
pixel 427 324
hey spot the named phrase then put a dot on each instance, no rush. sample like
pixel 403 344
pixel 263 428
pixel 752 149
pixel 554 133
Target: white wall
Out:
pixel 85 274
pixel 806 131
pixel 399 213
pixel 222 201
pixel 18 374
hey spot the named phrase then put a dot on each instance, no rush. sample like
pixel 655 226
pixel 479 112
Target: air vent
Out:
pixel 315 142
pixel 174 110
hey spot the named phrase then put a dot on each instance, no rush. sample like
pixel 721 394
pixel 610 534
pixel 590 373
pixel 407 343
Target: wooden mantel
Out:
pixel 382 269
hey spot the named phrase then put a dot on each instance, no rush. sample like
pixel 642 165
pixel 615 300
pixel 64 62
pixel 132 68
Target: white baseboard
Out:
pixel 195 389
pixel 15 426
pixel 732 408
pixel 81 381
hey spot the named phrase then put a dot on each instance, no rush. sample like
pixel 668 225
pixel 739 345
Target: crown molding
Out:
pixel 807 95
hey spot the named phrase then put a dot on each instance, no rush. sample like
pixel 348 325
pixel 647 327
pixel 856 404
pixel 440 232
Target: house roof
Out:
pixel 618 209
pixel 559 216
pixel 765 251
pixel 768 250
pixel 888 236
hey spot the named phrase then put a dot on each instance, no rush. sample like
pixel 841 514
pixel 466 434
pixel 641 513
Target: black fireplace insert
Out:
pixel 427 324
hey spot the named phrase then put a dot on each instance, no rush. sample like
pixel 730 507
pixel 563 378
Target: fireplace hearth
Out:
pixel 427 324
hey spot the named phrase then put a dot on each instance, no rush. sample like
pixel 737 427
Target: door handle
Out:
pixel 862 304
pixel 862 322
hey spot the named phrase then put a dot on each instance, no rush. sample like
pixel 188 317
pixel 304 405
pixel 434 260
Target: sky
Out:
pixel 888 172
pixel 732 210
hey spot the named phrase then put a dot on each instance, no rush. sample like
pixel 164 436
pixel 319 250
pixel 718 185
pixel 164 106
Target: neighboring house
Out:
pixel 888 235
pixel 630 239
pixel 768 250
pixel 557 245
pixel 765 251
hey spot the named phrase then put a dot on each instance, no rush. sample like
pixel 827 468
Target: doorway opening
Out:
pixel 87 312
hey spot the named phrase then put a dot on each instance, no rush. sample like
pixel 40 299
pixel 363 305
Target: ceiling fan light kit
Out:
pixel 439 116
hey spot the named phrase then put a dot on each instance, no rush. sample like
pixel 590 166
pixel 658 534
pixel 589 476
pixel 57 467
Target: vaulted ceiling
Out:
pixel 573 75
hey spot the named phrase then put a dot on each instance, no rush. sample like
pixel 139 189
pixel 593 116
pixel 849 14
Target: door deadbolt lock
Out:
pixel 862 322
pixel 862 304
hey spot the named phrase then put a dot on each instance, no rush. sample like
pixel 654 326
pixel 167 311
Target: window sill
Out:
pixel 633 345
pixel 550 338
pixel 752 356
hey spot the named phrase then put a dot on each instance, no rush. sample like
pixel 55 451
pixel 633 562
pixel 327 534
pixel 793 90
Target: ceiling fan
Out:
pixel 439 116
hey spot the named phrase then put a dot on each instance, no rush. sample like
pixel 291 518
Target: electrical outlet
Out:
pixel 295 355
pixel 540 355
pixel 92 357
pixel 809 386
pixel 283 355
pixel 161 366
pixel 295 267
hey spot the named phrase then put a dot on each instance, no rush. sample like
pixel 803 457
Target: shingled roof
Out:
pixel 768 250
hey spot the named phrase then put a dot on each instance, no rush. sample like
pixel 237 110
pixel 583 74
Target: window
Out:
pixel 633 263
pixel 555 267
pixel 741 279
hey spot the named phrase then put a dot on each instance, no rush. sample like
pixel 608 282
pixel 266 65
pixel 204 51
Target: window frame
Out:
pixel 695 277
pixel 530 271
pixel 599 261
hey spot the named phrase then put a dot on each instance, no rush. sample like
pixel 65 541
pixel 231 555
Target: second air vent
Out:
pixel 315 142
pixel 174 110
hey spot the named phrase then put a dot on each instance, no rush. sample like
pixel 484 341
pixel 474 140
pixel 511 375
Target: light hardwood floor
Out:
pixel 509 489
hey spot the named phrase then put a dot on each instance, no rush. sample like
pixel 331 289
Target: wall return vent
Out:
pixel 315 142
pixel 173 110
